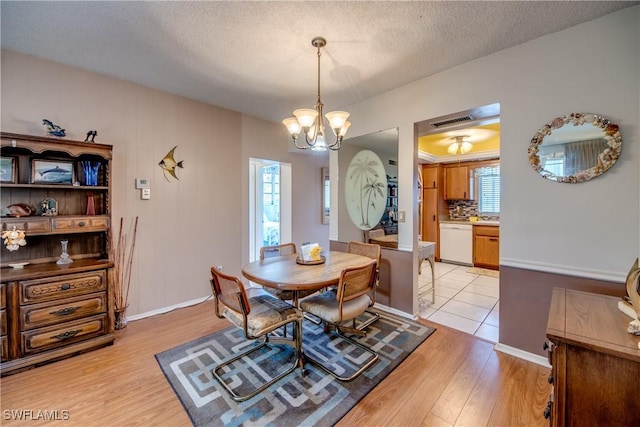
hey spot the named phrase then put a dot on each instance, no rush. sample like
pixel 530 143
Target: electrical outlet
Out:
pixel 219 267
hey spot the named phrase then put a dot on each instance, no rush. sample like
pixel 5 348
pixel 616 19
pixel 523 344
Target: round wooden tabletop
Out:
pixel 282 272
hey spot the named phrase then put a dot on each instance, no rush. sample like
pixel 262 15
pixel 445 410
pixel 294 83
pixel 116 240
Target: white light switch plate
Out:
pixel 146 193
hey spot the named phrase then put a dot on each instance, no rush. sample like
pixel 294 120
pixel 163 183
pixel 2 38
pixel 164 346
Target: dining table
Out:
pixel 289 273
pixel 285 273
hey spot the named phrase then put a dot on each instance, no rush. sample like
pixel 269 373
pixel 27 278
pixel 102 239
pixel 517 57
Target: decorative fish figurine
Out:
pixel 54 130
pixel 169 164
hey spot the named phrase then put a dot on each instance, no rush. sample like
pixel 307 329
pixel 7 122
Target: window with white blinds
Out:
pixel 488 184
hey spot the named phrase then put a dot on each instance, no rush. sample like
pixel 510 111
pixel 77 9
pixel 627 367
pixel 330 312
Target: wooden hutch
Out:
pixel 50 311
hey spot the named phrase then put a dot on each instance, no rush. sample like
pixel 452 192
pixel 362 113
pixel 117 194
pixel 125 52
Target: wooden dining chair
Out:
pixel 373 251
pixel 257 316
pixel 279 250
pixel 344 304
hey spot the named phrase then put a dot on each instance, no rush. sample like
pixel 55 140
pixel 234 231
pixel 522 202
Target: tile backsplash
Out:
pixel 463 209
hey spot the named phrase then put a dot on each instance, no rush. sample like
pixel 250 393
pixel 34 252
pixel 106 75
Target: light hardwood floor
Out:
pixel 451 379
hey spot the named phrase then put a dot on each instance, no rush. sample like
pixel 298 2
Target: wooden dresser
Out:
pixel 595 372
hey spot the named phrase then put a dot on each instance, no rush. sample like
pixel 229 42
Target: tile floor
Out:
pixel 464 301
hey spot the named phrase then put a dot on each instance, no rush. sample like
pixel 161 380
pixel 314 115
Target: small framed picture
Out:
pixel 8 169
pixel 51 172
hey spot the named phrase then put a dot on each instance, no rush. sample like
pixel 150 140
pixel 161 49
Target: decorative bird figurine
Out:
pixel 53 129
pixel 169 164
pixel 92 134
pixel 633 297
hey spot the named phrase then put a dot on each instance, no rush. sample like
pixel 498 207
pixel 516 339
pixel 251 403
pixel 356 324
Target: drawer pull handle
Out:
pixel 65 311
pixel 493 240
pixel 66 335
pixel 81 223
pixel 66 287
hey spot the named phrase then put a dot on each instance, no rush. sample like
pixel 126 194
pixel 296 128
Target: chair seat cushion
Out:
pixel 325 306
pixel 267 313
pixel 287 295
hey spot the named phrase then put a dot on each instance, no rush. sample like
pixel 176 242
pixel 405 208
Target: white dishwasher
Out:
pixel 456 243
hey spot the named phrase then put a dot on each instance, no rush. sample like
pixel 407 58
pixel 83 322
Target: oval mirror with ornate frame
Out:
pixel 575 148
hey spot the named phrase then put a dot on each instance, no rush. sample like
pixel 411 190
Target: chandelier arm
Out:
pixel 295 142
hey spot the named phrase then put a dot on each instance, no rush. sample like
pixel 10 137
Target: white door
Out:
pixel 269 204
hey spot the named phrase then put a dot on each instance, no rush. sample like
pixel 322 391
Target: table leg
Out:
pixel 297 334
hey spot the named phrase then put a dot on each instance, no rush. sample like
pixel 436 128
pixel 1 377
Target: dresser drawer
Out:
pixel 31 225
pixel 79 224
pixel 3 322
pixel 38 315
pixel 64 334
pixel 4 348
pixel 3 296
pixel 52 288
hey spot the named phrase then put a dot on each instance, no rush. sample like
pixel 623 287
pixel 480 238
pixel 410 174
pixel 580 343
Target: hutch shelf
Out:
pixel 50 311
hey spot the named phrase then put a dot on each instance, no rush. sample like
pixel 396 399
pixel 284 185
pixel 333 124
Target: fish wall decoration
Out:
pixel 169 164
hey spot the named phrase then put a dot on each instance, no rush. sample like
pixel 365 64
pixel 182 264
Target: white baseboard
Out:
pixel 392 310
pixel 168 309
pixel 521 354
pixel 566 270
pixel 163 310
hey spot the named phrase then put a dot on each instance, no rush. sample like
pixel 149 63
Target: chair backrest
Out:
pixel 356 281
pixel 229 290
pixel 370 250
pixel 277 250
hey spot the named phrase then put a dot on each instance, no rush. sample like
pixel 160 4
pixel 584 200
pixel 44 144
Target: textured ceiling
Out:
pixel 257 58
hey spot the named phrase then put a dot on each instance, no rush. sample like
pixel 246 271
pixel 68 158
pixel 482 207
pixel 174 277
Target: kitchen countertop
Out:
pixel 466 221
pixel 487 222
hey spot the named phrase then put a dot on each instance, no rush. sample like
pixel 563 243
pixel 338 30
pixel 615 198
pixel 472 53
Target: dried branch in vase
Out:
pixel 122 256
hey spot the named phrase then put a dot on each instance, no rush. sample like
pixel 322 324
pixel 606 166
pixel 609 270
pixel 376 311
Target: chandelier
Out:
pixel 311 122
pixel 460 146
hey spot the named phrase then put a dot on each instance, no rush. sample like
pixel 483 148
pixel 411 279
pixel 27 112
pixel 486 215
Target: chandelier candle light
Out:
pixel 311 122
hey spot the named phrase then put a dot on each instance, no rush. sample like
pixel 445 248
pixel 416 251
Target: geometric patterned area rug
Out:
pixel 315 399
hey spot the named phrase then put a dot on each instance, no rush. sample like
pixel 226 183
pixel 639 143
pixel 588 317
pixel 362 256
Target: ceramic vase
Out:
pixel 121 319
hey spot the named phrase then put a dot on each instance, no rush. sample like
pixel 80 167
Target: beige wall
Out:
pixel 188 225
pixel 586 230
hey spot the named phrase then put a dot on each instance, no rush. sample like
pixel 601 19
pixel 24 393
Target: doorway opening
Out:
pixel 460 189
pixel 269 204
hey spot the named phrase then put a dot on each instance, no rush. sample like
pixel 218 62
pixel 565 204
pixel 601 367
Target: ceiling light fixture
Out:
pixel 311 122
pixel 460 146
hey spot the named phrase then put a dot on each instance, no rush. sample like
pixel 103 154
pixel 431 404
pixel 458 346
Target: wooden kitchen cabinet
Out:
pixel 431 178
pixel 595 362
pixel 50 311
pixel 486 246
pixel 456 181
